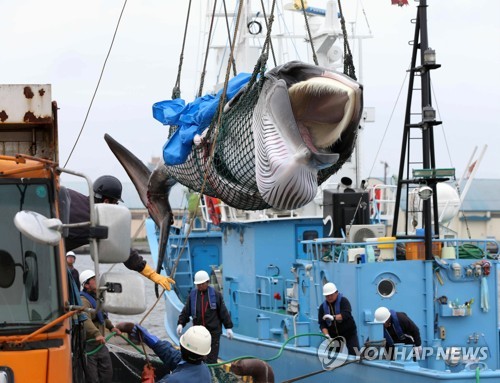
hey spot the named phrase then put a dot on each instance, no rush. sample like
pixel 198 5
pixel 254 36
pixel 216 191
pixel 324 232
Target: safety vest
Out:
pixel 101 315
pixel 397 329
pixel 211 300
pixel 326 308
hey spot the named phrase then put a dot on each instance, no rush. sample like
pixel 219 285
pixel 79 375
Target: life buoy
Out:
pixel 213 209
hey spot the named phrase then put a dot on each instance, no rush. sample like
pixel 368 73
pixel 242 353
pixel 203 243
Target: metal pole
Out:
pixel 426 127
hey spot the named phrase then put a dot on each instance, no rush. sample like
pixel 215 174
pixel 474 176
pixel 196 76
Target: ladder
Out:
pixel 178 243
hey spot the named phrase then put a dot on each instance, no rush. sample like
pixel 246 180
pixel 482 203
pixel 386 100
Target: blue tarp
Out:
pixel 191 119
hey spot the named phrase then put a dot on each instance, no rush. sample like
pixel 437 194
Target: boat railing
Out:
pixel 226 213
pixel 382 202
pixel 388 249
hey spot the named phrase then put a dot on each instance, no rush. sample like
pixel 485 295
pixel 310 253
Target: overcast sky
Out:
pixel 65 43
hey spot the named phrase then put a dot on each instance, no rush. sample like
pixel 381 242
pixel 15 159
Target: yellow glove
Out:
pixel 162 280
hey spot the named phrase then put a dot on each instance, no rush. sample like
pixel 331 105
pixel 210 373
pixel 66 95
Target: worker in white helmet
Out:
pixel 70 262
pixel 99 368
pixel 206 306
pixel 186 365
pixel 335 318
pixel 398 328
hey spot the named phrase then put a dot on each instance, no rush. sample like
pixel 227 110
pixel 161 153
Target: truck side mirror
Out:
pixel 38 228
pixel 124 293
pixel 116 247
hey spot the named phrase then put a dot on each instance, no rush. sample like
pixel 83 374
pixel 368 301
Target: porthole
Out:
pixel 386 288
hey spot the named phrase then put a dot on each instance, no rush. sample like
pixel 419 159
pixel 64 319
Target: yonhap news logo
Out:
pixel 332 353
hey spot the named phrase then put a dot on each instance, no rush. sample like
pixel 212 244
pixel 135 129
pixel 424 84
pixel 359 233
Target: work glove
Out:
pixel 146 337
pixel 229 333
pixel 162 280
pixel 328 317
pixel 179 330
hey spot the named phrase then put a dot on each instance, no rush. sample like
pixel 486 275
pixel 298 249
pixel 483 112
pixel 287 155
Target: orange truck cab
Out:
pixel 38 316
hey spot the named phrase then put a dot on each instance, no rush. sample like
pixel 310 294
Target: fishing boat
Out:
pixel 272 264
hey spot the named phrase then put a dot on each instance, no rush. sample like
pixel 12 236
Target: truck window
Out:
pixel 29 296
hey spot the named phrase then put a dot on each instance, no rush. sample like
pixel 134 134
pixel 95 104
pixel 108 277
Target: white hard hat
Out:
pixel 71 254
pixel 382 314
pixel 329 288
pixel 197 339
pixel 201 277
pixel 86 275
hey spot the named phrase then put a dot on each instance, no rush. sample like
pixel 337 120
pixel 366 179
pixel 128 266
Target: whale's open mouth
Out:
pixel 303 112
pixel 323 108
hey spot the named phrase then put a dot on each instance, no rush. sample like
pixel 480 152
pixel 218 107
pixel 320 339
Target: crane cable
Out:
pixel 97 86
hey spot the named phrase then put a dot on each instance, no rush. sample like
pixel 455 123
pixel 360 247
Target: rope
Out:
pixel 262 61
pixel 309 32
pixel 97 86
pixel 320 371
pixel 267 28
pixel 348 61
pixel 361 357
pixel 176 92
pixel 212 147
pixel 233 62
pixel 202 79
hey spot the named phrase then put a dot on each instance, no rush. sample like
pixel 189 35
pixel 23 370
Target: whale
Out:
pixel 277 140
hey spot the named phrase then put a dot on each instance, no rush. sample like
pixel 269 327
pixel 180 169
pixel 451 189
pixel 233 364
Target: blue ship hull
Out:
pixel 264 260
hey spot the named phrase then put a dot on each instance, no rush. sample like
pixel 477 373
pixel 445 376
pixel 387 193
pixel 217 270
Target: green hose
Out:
pixel 214 364
pixel 470 251
pixel 269 359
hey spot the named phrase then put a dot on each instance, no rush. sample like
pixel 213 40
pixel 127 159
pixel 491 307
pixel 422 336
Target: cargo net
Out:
pixel 230 175
pixel 221 374
pixel 128 367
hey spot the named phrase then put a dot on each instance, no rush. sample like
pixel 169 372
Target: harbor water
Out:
pixel 154 322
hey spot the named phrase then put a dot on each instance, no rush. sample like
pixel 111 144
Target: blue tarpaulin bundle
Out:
pixel 191 119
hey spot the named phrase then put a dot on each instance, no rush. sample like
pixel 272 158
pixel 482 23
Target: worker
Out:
pixel 76 208
pixel 186 365
pixel 335 318
pixel 70 262
pixel 398 328
pixel 206 306
pixel 99 368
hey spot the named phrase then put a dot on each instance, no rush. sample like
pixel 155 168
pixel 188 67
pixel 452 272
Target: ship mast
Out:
pixel 424 175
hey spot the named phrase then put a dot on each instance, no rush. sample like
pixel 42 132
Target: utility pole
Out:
pixel 383 205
